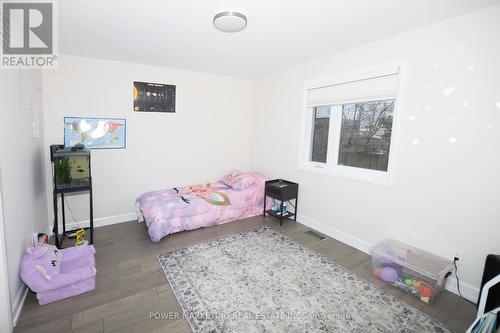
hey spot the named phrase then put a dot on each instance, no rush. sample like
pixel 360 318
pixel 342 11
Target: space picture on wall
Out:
pixel 154 97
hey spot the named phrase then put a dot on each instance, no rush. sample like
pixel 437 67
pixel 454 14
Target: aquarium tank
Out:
pixel 71 168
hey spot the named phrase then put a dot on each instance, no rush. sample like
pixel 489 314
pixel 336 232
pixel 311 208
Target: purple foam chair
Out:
pixel 57 274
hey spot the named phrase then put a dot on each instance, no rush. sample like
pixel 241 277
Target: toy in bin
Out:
pixel 415 271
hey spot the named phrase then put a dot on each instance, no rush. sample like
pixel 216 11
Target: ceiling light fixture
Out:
pixel 230 21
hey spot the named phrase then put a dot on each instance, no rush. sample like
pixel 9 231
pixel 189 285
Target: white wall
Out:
pixel 22 169
pixel 207 136
pixel 445 195
pixel 5 305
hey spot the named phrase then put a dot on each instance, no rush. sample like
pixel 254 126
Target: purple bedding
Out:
pixel 237 196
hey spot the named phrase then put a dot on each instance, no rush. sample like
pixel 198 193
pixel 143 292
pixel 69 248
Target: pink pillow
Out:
pixel 238 181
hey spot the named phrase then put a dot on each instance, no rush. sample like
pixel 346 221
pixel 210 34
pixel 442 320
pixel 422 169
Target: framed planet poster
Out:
pixel 95 133
pixel 154 97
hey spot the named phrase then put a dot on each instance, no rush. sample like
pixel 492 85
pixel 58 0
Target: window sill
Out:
pixel 356 174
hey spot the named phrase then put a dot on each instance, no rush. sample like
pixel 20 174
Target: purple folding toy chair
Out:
pixel 57 274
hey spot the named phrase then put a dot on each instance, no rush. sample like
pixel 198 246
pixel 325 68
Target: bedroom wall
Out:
pixel 445 194
pixel 207 136
pixel 5 304
pixel 22 171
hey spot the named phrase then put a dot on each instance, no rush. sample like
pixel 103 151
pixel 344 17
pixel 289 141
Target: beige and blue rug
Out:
pixel 261 281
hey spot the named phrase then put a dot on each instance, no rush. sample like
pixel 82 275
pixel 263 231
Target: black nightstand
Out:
pixel 282 190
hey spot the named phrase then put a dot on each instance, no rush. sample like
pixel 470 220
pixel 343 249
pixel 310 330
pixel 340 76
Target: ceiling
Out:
pixel 280 34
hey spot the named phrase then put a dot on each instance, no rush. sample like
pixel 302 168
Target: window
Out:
pixel 365 137
pixel 349 127
pixel 321 124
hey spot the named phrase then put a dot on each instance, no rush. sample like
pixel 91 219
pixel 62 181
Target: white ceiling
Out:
pixel 280 34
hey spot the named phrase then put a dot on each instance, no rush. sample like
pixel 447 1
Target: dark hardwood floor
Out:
pixel 130 284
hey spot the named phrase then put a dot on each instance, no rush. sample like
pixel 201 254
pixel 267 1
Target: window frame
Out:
pixel 331 167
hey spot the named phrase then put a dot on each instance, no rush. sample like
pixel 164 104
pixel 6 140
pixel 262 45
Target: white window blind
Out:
pixel 374 85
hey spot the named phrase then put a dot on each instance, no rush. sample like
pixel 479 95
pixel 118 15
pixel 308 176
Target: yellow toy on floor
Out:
pixel 80 237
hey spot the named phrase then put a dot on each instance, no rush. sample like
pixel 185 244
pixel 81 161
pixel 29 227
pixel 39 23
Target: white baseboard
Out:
pixel 341 236
pixel 17 307
pixel 102 221
pixel 468 291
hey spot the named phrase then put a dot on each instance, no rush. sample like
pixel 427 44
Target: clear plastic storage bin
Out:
pixel 415 271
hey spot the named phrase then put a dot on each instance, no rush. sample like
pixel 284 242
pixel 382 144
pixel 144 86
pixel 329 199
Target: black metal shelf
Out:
pixel 59 190
pixel 72 189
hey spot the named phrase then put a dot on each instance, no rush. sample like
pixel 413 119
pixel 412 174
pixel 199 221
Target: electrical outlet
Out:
pixel 458 253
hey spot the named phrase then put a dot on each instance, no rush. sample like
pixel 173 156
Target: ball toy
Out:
pixel 409 282
pixel 425 291
pixel 388 274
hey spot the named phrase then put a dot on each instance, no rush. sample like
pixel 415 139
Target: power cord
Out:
pixel 458 280
pixel 70 211
pixel 456 276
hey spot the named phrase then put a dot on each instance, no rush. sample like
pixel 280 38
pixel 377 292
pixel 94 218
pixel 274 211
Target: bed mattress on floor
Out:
pixel 196 206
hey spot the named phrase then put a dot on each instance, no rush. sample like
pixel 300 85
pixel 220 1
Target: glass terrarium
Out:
pixel 71 168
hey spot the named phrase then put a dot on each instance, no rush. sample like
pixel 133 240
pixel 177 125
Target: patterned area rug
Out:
pixel 261 281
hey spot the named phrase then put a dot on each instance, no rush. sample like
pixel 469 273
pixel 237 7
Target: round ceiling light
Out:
pixel 230 21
